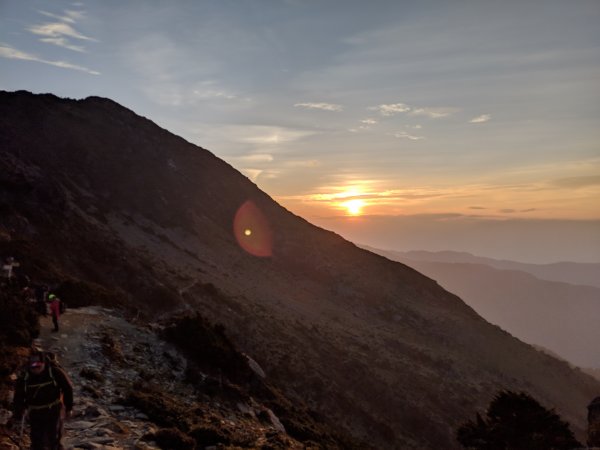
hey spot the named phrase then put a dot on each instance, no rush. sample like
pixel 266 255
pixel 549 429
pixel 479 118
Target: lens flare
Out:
pixel 252 230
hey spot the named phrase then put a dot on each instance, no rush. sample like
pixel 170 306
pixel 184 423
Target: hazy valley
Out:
pixel 542 310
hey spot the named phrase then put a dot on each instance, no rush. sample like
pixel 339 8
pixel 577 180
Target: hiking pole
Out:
pixel 22 427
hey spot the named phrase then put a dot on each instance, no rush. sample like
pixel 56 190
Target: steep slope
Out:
pixel 378 350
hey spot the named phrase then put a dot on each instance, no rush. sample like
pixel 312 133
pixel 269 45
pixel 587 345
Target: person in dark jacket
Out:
pixel 45 392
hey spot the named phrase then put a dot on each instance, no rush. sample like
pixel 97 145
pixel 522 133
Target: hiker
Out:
pixel 44 391
pixel 54 310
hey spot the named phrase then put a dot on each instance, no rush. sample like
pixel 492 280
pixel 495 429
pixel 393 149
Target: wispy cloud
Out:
pixel 209 93
pixel 179 94
pixel 271 135
pixel 257 158
pixel 256 135
pixel 12 53
pixel 212 89
pixel 405 135
pixel 433 113
pixel 385 196
pixel 390 109
pixel 512 210
pixel 69 17
pixel 480 119
pixel 321 106
pixel 62 42
pixel 366 124
pixel 60 33
pixel 58 29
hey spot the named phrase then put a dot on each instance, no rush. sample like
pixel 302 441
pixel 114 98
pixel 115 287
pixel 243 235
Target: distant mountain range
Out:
pixel 566 272
pixel 95 197
pixel 542 309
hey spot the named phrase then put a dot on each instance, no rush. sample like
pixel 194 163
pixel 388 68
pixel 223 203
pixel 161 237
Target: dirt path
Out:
pixel 98 420
pixel 69 342
pixel 108 358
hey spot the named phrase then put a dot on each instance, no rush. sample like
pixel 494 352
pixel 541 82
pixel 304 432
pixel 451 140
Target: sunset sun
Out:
pixel 354 207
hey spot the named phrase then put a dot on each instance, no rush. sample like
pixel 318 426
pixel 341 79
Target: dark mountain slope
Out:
pixel 377 349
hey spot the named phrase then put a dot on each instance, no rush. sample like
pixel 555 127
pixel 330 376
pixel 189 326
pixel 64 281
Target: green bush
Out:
pixel 517 422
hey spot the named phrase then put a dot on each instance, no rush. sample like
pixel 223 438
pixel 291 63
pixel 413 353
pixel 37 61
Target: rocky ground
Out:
pixel 114 365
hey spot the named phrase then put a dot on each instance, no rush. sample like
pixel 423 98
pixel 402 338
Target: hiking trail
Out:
pixel 103 354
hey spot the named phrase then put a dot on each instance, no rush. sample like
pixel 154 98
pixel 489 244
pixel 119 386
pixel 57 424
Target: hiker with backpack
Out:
pixel 44 391
pixel 56 308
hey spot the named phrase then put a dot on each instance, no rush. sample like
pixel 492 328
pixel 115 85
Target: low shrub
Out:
pixel 206 435
pixel 173 439
pixel 161 408
pixel 208 346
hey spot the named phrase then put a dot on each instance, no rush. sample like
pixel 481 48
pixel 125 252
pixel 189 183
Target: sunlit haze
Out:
pixel 430 125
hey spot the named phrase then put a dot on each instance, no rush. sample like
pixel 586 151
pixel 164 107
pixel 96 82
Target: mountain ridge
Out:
pixel 380 350
pixel 563 271
pixel 553 314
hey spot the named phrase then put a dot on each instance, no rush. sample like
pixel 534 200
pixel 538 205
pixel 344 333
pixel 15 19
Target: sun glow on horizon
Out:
pixel 354 207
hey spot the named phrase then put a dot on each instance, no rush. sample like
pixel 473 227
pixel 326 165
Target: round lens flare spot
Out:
pixel 252 230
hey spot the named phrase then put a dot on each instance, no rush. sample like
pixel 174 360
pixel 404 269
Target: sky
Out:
pixel 404 125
